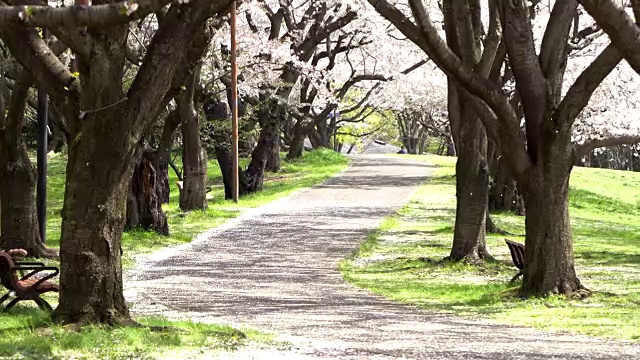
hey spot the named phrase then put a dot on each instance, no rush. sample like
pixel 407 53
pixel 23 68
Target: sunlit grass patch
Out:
pixel 27 333
pixel 405 261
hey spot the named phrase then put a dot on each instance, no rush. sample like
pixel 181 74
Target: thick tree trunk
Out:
pixel 315 138
pixel 297 142
pixel 549 263
pixel 323 139
pixel 273 158
pixel 18 219
pixel 226 164
pixel 149 187
pixel 472 180
pixel 193 195
pixel 503 193
pixel 19 222
pixel 269 135
pixel 92 224
pixel 423 143
pixel 144 208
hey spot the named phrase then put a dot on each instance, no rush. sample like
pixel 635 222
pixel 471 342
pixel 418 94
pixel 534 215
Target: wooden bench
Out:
pixel 517 255
pixel 27 286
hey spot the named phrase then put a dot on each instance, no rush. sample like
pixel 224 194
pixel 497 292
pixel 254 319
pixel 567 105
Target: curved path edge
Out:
pixel 275 268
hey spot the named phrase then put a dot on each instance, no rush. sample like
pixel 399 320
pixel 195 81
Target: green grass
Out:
pixel 403 260
pixel 313 168
pixel 26 334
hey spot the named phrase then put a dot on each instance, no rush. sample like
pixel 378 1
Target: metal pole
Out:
pixel 41 188
pixel 235 187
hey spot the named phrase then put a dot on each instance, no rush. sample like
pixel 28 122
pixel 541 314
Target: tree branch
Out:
pixel 29 49
pixel 79 15
pixel 580 92
pixel 583 149
pixel 622 31
pixel 171 47
pixel 531 82
pixel 427 38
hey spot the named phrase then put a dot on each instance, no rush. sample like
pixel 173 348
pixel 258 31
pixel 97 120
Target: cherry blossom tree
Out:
pixel 107 119
pixel 542 154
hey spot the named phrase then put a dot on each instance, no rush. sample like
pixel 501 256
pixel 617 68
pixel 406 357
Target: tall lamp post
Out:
pixel 235 187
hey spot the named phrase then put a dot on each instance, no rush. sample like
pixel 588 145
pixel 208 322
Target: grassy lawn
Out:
pixel 27 333
pixel 403 259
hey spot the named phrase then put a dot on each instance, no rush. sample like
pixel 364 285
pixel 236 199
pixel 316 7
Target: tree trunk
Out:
pixel 193 195
pixel 269 132
pixel 273 158
pixel 503 193
pixel 549 264
pixel 92 223
pixel 19 222
pixel 315 138
pixel 18 219
pixel 472 180
pixel 144 209
pixel 297 143
pixel 219 132
pixel 149 187
pixel 423 142
pixel 163 156
pixel 351 148
pixel 470 140
pixel 226 164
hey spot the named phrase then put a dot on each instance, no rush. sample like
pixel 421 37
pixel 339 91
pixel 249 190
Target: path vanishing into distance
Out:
pixel 275 269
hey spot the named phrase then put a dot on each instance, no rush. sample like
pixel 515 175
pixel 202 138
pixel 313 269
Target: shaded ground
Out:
pixel 275 268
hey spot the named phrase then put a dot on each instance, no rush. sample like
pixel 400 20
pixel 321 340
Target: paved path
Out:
pixel 276 269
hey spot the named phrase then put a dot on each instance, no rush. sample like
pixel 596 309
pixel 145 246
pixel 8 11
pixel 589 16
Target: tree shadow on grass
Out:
pixel 18 335
pixel 609 258
pixel 585 199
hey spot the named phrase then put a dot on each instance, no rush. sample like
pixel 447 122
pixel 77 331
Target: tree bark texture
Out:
pixel 269 135
pixel 549 262
pixel 171 123
pixel 193 195
pixel 144 208
pixel 273 158
pixel 503 193
pixel 297 142
pixel 472 181
pixel 105 149
pixel 18 219
pixel 472 170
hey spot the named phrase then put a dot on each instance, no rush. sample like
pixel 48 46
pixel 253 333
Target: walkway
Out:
pixel 275 268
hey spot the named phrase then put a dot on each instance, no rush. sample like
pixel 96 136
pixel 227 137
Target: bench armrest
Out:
pixel 38 269
pixel 19 263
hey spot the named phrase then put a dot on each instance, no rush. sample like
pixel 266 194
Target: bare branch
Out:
pixel 582 89
pixel 622 31
pixel 29 49
pixel 583 149
pixel 79 15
